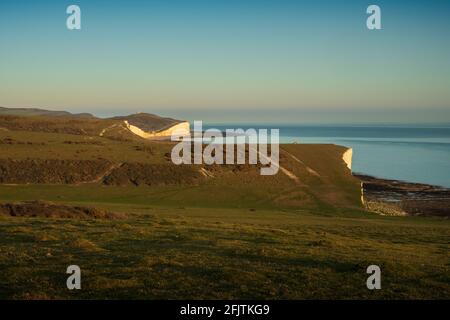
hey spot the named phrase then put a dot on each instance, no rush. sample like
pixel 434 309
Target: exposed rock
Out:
pixel 393 197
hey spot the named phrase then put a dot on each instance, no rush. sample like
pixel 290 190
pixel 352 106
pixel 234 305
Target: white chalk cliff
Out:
pixel 347 157
pixel 182 128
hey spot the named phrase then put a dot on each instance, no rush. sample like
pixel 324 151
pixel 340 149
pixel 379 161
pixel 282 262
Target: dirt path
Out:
pixel 206 173
pixel 284 170
pixel 313 172
pixel 103 175
pixel 108 128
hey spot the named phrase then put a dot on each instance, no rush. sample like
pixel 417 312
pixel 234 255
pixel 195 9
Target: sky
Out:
pixel 220 61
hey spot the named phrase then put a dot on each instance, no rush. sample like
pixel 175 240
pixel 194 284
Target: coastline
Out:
pixel 401 198
pixel 413 152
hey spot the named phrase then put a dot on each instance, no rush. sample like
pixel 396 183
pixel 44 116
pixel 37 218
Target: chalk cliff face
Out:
pixel 182 128
pixel 347 157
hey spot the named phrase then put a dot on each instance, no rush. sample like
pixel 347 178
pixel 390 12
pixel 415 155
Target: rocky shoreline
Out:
pixel 399 198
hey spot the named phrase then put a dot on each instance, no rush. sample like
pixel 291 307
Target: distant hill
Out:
pixel 148 122
pixel 30 112
pixel 117 128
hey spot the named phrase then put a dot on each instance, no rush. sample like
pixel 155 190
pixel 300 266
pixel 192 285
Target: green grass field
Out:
pixel 238 235
pixel 171 251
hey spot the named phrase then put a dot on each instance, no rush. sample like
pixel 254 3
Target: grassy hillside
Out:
pixel 203 231
pixel 170 253
pixel 34 112
pixel 49 158
pixel 85 124
pixel 148 122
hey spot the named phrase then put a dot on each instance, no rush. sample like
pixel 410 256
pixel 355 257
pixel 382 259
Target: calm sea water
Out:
pixel 415 154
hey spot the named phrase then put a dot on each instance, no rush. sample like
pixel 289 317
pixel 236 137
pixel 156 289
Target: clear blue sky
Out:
pixel 225 61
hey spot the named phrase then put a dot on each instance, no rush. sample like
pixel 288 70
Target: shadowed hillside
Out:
pixel 78 159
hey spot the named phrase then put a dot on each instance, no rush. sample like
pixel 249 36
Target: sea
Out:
pixel 419 153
